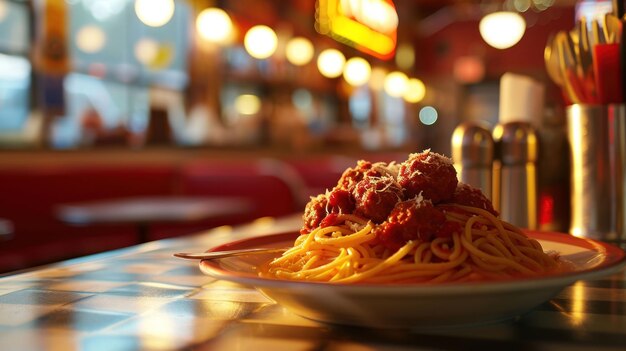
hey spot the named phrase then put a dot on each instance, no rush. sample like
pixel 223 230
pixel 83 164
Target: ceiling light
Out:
pixel 396 84
pixel 299 51
pixel 154 13
pixel 502 29
pixel 260 42
pixel 357 71
pixel 330 63
pixel 214 25
pixel 415 92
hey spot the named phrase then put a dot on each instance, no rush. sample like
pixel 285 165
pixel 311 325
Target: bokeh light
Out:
pixel 302 99
pixel 428 115
pixel 247 104
pixel 260 42
pixel 405 56
pixel 377 78
pixel 415 92
pixel 396 84
pixel 146 50
pixel 90 39
pixel 330 63
pixel 502 29
pixel 215 25
pixel 521 5
pixel 153 54
pixel 299 51
pixel 4 9
pixel 468 69
pixel 357 71
pixel 154 13
pixel 102 10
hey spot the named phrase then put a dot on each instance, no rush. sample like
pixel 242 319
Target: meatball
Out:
pixel 376 196
pixel 322 206
pixel 468 195
pixel 314 213
pixel 429 174
pixel 340 201
pixel 352 176
pixel 411 220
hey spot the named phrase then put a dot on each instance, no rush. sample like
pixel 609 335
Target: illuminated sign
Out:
pixel 370 26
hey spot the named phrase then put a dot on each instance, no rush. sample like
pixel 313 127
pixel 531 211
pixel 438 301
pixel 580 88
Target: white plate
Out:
pixel 417 305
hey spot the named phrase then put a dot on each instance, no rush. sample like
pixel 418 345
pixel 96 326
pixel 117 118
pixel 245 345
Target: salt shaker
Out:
pixel 515 173
pixel 472 153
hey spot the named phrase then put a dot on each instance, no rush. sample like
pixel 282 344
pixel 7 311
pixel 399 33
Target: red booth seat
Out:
pixel 322 172
pixel 271 187
pixel 29 196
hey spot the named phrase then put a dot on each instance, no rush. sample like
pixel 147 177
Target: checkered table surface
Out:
pixel 142 298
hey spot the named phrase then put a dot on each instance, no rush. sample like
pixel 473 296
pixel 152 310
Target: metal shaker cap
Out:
pixel 472 145
pixel 518 143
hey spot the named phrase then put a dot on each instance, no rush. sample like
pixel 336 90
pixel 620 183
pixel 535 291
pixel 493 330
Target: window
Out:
pixel 15 68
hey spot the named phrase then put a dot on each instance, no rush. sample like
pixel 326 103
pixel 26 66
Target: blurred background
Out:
pixel 128 74
pixel 262 100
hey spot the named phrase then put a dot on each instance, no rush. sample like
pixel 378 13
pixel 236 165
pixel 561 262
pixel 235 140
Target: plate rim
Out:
pixel 615 262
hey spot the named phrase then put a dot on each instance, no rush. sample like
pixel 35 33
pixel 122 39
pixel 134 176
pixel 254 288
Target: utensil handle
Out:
pixel 223 254
pixel 607 63
pixel 618 8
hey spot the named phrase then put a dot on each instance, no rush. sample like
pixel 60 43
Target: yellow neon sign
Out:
pixel 370 26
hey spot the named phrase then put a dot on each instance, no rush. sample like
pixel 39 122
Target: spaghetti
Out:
pixel 487 248
pixel 458 239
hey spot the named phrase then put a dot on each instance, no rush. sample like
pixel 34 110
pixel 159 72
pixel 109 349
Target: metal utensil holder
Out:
pixel 597 154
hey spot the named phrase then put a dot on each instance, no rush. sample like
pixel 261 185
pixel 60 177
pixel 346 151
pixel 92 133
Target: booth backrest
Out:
pixel 321 173
pixel 273 187
pixel 29 197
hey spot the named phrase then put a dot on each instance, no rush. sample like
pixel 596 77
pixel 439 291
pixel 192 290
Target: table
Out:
pixel 144 211
pixel 142 298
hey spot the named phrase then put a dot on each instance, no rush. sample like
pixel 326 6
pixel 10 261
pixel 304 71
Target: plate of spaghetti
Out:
pixel 408 245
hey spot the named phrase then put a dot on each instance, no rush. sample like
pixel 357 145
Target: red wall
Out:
pixel 436 54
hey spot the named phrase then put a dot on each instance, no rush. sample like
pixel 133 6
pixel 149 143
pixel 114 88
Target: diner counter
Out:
pixel 143 298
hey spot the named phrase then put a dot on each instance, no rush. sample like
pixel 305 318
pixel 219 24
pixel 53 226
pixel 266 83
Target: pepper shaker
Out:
pixel 472 154
pixel 515 173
